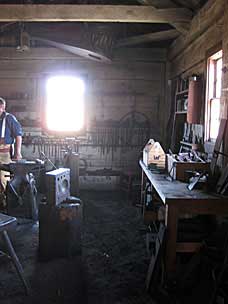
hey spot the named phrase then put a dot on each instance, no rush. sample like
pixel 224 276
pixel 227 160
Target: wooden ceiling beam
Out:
pixel 188 4
pixel 181 26
pixel 92 13
pixel 191 4
pixel 158 36
pixel 158 3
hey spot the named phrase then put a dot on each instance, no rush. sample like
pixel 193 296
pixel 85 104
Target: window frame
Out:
pixel 211 94
pixel 63 134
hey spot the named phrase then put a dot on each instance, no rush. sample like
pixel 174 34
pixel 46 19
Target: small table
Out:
pixel 7 222
pixel 179 200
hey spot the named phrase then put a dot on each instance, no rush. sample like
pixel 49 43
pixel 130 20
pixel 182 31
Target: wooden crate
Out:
pixel 177 169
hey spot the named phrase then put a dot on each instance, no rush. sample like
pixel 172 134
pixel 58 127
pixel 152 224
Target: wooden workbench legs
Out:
pixel 15 260
pixel 171 222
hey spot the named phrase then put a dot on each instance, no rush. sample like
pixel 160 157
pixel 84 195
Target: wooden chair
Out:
pixel 6 222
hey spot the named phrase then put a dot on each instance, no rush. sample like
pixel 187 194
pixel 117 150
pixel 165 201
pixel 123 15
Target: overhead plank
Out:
pixel 158 36
pixel 92 13
pixel 74 50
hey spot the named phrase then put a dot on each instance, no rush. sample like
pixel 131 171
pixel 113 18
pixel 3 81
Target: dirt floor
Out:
pixel 111 270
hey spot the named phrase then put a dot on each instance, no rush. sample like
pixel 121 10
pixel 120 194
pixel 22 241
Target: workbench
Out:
pixel 178 200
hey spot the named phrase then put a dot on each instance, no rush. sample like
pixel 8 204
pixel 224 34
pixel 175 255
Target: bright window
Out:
pixel 65 104
pixel 214 85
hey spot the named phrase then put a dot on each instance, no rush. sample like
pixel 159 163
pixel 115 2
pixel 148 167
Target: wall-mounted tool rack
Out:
pixel 53 148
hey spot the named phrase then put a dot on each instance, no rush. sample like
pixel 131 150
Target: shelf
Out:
pixel 181 112
pixel 186 143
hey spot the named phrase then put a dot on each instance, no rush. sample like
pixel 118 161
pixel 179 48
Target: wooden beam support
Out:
pixel 182 27
pixel 92 13
pixel 158 3
pixel 187 4
pixel 74 50
pixel 158 36
pixel 191 4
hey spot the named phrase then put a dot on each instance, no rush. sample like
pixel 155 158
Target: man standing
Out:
pixel 10 137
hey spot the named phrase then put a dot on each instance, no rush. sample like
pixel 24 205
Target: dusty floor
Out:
pixel 111 270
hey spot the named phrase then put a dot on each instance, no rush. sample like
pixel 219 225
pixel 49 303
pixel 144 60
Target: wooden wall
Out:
pixel 134 82
pixel 187 55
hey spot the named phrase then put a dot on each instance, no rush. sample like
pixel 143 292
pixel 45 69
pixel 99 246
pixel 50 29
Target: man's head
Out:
pixel 2 105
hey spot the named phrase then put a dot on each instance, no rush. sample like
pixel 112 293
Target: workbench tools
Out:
pixel 196 180
pixel 178 165
pixel 52 147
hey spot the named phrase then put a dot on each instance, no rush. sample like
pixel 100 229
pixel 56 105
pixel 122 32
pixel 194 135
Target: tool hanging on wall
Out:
pixel 131 131
pixel 110 138
pixel 52 148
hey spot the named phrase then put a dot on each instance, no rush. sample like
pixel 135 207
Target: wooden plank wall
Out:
pixel 133 82
pixel 187 55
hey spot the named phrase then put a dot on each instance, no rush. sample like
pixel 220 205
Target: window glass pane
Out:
pixel 219 78
pixel 214 86
pixel 65 104
pixel 214 122
pixel 211 79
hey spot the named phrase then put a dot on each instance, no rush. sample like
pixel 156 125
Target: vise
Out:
pixel 21 192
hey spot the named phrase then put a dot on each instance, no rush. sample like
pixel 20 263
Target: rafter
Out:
pixel 158 36
pixel 191 4
pixel 74 50
pixel 158 3
pixel 92 13
pixel 182 27
pixel 187 4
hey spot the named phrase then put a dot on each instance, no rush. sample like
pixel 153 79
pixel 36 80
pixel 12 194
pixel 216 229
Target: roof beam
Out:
pixel 92 13
pixel 187 4
pixel 158 36
pixel 158 3
pixel 191 4
pixel 182 27
pixel 74 50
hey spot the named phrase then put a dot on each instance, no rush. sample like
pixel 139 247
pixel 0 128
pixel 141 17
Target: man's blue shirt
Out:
pixel 13 128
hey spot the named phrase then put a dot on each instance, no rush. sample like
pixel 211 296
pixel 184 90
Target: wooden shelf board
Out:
pixel 181 112
pixel 184 92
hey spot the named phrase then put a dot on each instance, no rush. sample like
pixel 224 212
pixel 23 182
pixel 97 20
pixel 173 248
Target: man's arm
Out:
pixel 16 133
pixel 17 152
